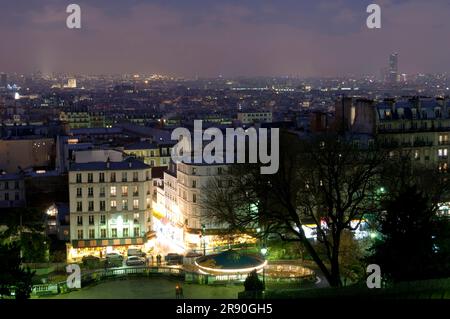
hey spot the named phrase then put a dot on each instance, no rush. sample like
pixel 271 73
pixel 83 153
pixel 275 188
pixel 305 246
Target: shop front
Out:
pixel 77 249
pixel 169 236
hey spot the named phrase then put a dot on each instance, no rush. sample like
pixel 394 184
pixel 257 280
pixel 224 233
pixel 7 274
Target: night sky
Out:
pixel 236 37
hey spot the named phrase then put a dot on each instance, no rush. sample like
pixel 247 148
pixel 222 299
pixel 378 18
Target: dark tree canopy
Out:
pixel 323 181
pixel 411 244
pixel 13 277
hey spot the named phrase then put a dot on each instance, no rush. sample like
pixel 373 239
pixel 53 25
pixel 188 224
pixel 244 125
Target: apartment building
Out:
pixel 254 117
pixel 417 127
pixel 151 153
pixel 109 207
pixel 12 190
pixel 179 212
pixel 26 152
pixel 168 219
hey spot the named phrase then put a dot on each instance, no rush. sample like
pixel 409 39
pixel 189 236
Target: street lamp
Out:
pixel 203 239
pixel 264 253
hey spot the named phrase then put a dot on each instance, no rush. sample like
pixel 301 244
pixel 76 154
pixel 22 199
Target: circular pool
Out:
pixel 230 262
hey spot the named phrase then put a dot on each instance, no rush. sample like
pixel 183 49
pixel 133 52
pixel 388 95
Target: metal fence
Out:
pixel 94 276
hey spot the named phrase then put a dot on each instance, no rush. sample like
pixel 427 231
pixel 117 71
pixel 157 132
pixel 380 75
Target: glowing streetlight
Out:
pixel 264 253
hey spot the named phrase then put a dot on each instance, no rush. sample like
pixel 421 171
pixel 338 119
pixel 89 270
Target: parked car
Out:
pixel 91 261
pixel 135 261
pixel 174 259
pixel 89 258
pixel 114 260
pixel 114 256
pixel 136 252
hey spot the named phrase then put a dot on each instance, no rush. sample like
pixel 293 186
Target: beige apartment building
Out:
pixel 109 208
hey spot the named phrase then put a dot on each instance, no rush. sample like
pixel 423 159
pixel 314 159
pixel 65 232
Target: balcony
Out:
pixel 419 143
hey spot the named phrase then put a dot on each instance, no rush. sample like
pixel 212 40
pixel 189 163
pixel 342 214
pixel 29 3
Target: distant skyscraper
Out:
pixel 393 67
pixel 3 80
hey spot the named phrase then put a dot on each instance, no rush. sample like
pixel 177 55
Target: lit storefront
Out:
pixel 77 249
pixel 169 236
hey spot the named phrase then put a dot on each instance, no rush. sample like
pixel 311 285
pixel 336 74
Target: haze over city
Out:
pixel 229 38
pixel 240 157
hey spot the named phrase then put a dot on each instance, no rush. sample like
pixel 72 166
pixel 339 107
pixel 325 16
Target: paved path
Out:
pixel 151 288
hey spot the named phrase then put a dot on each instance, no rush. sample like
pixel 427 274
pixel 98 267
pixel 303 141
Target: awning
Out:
pixel 108 242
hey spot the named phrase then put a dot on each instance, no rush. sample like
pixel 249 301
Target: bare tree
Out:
pixel 323 181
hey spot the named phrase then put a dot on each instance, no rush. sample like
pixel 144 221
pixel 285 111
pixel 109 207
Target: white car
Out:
pixel 135 261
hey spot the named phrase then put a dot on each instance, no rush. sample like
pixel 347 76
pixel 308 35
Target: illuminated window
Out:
pixel 136 204
pixel 124 190
pixel 113 190
pixel 125 204
pixel 113 204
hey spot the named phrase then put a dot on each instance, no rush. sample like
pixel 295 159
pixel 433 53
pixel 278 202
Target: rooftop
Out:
pixel 128 164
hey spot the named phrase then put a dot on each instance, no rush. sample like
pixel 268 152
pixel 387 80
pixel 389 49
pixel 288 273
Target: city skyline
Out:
pixel 211 38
